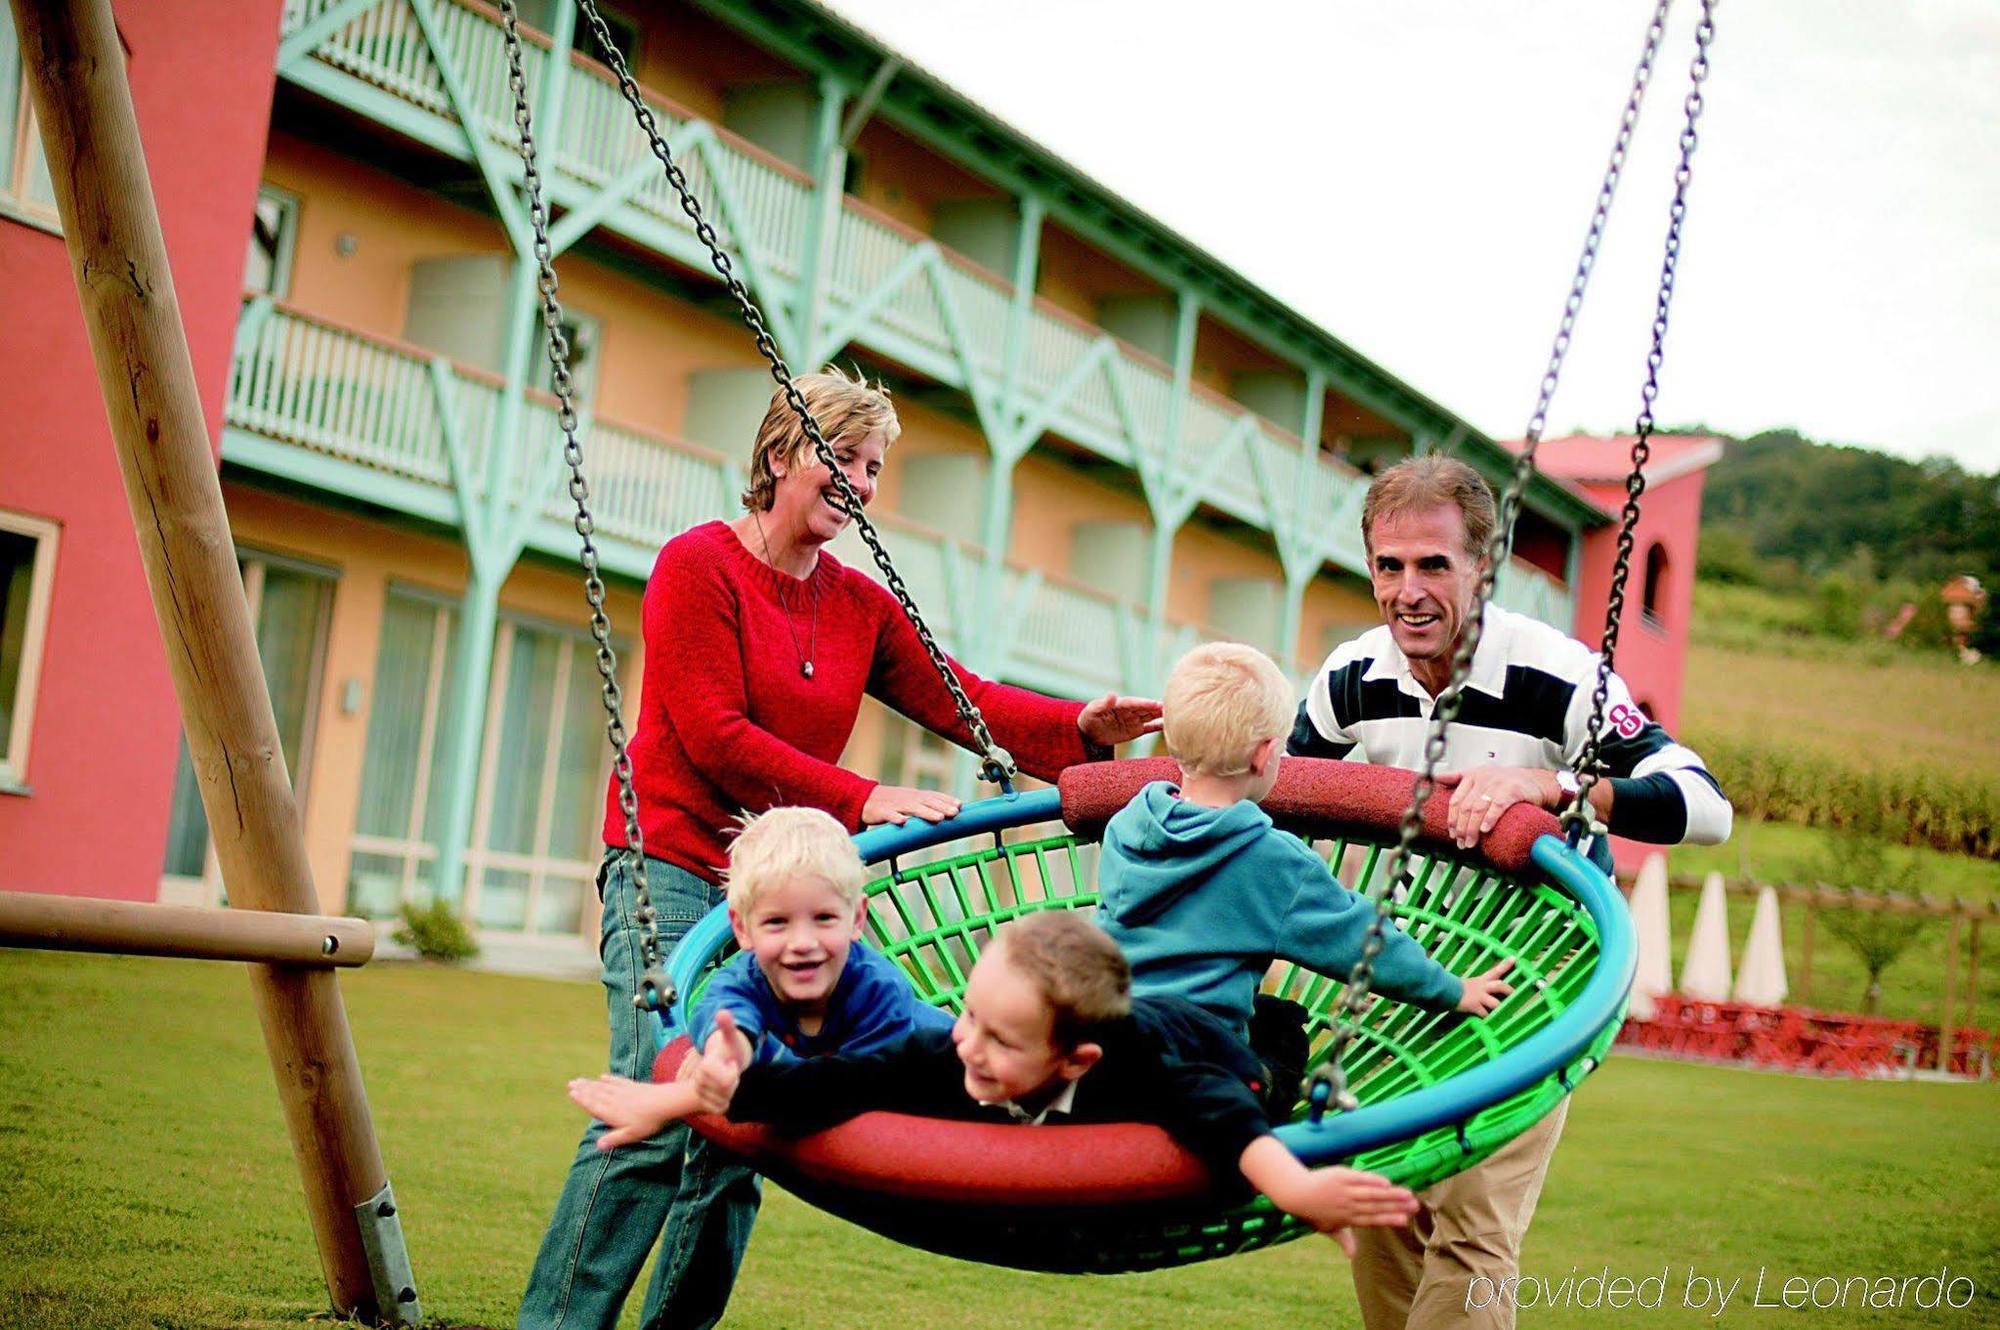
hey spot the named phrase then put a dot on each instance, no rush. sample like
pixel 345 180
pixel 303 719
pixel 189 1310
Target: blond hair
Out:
pixel 786 844
pixel 1222 700
pixel 846 408
pixel 1419 484
pixel 1076 966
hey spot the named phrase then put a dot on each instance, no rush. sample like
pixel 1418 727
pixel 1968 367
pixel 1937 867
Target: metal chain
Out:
pixel 654 990
pixel 995 763
pixel 1329 1079
pixel 1576 817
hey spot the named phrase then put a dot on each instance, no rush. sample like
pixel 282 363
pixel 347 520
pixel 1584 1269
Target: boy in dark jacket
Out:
pixel 1050 1032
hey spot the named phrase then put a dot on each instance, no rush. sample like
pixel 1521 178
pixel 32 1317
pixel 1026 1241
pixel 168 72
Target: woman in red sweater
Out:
pixel 759 646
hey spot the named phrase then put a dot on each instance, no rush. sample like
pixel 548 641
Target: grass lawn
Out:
pixel 1874 702
pixel 148 1181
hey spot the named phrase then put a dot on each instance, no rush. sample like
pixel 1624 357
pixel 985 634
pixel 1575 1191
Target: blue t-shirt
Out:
pixel 872 1008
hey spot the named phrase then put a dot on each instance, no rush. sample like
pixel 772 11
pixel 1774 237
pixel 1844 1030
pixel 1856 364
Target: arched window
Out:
pixel 1656 583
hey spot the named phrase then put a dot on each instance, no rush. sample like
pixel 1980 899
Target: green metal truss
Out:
pixel 827 276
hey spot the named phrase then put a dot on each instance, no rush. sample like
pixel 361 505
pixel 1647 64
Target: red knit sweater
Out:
pixel 727 723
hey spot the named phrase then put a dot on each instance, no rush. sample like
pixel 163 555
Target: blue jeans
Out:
pixel 614 1205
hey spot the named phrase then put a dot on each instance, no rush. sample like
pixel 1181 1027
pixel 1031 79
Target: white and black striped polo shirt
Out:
pixel 1526 704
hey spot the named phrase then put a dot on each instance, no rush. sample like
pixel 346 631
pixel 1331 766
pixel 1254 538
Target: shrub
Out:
pixel 1837 600
pixel 1955 813
pixel 1878 938
pixel 437 932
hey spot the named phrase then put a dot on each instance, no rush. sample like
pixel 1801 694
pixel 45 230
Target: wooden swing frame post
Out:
pixel 75 64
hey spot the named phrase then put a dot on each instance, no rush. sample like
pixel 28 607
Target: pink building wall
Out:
pixel 101 758
pixel 1652 649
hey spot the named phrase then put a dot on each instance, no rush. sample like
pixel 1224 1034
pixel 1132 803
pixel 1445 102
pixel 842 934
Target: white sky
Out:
pixel 1416 176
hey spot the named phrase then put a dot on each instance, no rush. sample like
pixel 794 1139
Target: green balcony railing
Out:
pixel 932 310
pixel 396 426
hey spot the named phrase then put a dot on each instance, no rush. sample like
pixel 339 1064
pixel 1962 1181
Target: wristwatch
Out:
pixel 1567 782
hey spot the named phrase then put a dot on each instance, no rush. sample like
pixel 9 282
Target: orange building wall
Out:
pixel 1220 353
pixel 651 342
pixel 906 180
pixel 1075 274
pixel 368 555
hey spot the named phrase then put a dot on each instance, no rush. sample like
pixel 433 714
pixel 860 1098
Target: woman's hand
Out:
pixel 900 803
pixel 1112 720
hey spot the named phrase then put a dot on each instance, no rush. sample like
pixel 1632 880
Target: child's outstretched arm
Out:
pixel 1483 991
pixel 1326 925
pixel 635 1110
pixel 1333 1200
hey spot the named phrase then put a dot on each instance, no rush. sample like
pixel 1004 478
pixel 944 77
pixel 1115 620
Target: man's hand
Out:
pixel 723 1059
pixel 900 803
pixel 1479 795
pixel 1484 991
pixel 1112 720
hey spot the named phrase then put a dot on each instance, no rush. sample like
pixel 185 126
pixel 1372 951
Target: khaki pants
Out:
pixel 1471 1225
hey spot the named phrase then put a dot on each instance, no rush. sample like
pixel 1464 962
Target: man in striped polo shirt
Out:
pixel 1526 708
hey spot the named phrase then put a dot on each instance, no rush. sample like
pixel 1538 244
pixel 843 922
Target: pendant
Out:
pixel 806 668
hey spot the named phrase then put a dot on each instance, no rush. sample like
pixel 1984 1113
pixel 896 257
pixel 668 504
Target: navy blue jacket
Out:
pixel 872 1008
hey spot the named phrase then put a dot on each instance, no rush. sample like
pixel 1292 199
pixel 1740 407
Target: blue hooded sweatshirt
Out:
pixel 1202 900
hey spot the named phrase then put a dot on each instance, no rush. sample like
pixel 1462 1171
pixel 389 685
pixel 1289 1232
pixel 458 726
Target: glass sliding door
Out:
pixel 290 604
pixel 403 780
pixel 538 829
pixel 539 805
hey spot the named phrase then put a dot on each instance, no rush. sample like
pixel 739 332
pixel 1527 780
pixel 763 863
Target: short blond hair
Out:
pixel 846 407
pixel 786 844
pixel 1222 700
pixel 1076 966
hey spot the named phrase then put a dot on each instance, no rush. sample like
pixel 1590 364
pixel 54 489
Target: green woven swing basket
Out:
pixel 1439 1092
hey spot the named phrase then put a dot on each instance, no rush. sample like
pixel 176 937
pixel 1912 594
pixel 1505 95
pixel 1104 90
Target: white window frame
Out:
pixel 291 207
pixel 19 124
pixel 41 591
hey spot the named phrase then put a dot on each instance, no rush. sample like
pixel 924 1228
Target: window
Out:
pixel 290 606
pixel 539 805
pixel 913 756
pixel 25 189
pixel 27 578
pixel 403 790
pixel 538 827
pixel 1656 585
pixel 267 265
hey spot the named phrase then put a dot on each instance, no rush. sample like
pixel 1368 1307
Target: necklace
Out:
pixel 784 599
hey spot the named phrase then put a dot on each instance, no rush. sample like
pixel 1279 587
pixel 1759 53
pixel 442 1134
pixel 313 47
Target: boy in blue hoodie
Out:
pixel 1203 893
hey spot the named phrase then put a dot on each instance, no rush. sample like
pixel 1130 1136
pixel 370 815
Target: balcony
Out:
pixel 882 285
pixel 396 427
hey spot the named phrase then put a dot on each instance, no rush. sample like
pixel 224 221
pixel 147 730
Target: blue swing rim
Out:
pixel 1550 1051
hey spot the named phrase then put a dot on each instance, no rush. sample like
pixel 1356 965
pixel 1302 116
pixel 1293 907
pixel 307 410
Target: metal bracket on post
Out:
pixel 388 1260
